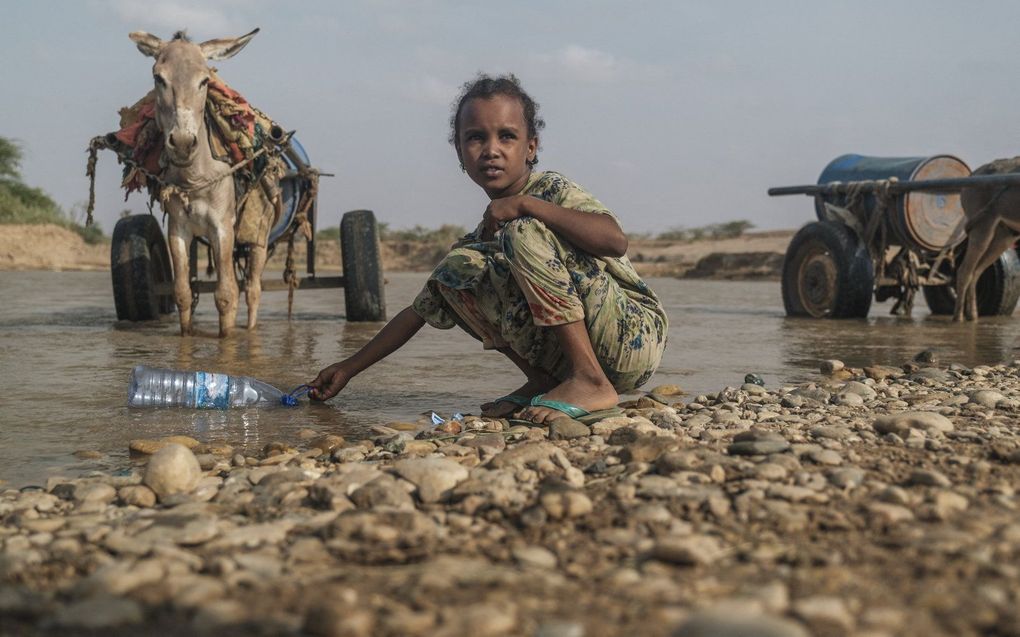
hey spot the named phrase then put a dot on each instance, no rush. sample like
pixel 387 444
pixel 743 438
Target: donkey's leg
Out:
pixel 180 239
pixel 1001 241
pixel 253 285
pixel 226 284
pixel 978 239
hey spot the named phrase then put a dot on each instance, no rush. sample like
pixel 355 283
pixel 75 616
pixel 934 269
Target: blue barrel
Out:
pixel 291 187
pixel 920 220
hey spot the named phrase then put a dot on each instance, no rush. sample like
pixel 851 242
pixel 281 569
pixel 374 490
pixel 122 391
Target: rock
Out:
pixel 887 514
pixel 986 398
pixel 814 395
pixel 831 366
pixel 901 423
pixel 567 429
pixel 139 496
pixel 524 454
pixel 565 504
pixel 693 550
pixel 172 470
pixel 94 492
pixel 328 619
pixel 149 447
pixel 757 442
pixel 99 613
pixel 737 623
pixel 384 491
pixel 847 478
pixel 648 448
pixel 881 372
pixel 667 390
pixel 327 444
pixel 928 478
pixel 824 615
pixel 492 442
pixel 119 578
pixel 433 477
pixel 826 457
pixel 945 504
pixel 535 557
pixel 560 629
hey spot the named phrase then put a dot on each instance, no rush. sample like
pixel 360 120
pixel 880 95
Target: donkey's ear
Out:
pixel 147 43
pixel 224 48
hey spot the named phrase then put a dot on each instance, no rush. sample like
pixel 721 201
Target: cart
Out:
pixel 143 277
pixel 888 227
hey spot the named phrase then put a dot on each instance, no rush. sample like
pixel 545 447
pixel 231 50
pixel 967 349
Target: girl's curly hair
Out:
pixel 486 87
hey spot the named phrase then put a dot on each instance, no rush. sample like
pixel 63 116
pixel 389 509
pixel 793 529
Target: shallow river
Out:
pixel 65 360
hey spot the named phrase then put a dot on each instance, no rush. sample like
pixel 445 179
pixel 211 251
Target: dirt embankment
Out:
pixel 753 255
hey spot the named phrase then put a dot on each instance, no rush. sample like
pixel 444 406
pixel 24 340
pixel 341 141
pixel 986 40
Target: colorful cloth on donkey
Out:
pixel 508 291
pixel 237 131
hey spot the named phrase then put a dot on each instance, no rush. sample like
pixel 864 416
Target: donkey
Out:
pixel 200 200
pixel 993 223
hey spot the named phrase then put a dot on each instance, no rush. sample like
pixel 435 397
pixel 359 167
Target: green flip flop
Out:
pixel 518 399
pixel 573 411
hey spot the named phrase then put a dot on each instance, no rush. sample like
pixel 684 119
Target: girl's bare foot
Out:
pixel 590 393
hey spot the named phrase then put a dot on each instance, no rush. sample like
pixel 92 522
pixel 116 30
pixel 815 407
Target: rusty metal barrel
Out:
pixel 923 221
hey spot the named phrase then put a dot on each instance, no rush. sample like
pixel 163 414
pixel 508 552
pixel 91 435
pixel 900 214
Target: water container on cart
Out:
pixel 290 188
pixel 923 221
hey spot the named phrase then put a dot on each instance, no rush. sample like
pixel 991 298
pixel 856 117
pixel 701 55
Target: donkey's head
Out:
pixel 181 76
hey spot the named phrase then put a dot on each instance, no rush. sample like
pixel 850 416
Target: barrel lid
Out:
pixel 931 218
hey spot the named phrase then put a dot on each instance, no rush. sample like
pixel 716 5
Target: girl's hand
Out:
pixel 329 382
pixel 501 211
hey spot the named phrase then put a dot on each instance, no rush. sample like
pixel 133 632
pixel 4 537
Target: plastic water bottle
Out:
pixel 155 387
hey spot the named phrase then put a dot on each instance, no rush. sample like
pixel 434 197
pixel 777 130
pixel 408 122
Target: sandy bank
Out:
pixel 50 247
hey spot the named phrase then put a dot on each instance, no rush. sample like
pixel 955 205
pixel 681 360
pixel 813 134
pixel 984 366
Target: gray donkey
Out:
pixel 993 223
pixel 200 199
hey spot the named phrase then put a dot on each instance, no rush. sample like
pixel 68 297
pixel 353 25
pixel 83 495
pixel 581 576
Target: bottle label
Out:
pixel 211 391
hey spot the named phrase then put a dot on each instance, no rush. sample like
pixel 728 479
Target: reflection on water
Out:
pixel 66 360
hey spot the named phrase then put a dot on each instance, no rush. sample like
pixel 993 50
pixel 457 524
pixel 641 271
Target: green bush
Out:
pixel 21 203
pixel 727 230
pixel 445 234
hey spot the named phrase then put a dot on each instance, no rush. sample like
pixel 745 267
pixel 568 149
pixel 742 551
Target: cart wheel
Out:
pixel 998 288
pixel 826 274
pixel 363 273
pixel 140 268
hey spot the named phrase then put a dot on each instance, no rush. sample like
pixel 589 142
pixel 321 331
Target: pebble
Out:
pixel 694 550
pixel 902 422
pixel 824 615
pixel 801 492
pixel 567 429
pixel 433 477
pixel 757 442
pixel 737 623
pixel 171 470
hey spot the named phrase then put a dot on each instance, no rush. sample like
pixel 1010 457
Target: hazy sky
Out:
pixel 672 113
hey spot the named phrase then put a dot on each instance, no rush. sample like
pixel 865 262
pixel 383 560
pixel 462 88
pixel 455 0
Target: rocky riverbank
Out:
pixel 879 501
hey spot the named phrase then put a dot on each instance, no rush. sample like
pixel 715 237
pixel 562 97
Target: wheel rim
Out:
pixel 817 280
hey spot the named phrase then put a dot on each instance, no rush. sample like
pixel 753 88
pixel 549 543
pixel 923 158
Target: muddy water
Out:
pixel 64 362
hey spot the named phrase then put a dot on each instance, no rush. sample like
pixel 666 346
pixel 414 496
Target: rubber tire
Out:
pixel 839 280
pixel 362 263
pixel 998 289
pixel 139 262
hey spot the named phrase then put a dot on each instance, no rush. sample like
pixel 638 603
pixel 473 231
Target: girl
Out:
pixel 543 278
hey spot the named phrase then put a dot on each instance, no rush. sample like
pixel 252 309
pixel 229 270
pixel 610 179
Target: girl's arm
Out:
pixel 595 233
pixel 390 338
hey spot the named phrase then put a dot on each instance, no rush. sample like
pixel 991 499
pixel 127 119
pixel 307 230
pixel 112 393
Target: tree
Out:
pixel 10 159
